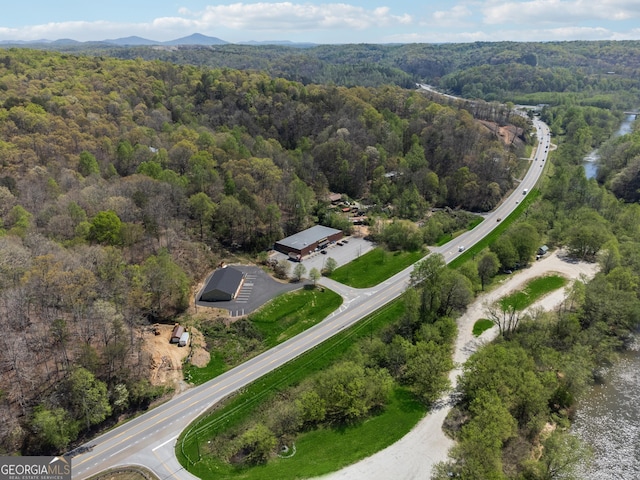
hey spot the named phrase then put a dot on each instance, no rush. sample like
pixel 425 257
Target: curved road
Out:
pixel 149 439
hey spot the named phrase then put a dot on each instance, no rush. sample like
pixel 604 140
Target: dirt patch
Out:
pixel 167 358
pixel 509 134
pixel 199 355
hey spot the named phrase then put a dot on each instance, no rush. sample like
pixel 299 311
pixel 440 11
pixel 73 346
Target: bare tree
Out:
pixel 505 316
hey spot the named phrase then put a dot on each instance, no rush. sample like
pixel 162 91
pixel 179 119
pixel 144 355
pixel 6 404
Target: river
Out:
pixel 608 419
pixel 590 162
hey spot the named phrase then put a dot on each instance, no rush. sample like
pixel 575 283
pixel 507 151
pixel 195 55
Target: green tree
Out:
pixel 87 397
pixel 329 266
pixel 402 235
pixel 312 408
pixel 349 391
pixel 88 165
pixel 202 209
pixel 525 240
pixel 106 227
pixel 256 444
pixel 427 370
pixel 562 454
pixel 314 275
pixel 505 251
pixel 298 271
pixel 488 266
pixel 54 428
pixel 167 284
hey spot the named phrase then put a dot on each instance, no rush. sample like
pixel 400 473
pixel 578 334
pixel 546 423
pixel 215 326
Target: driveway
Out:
pixel 258 288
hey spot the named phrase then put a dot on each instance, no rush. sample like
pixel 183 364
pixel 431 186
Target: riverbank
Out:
pixel 414 456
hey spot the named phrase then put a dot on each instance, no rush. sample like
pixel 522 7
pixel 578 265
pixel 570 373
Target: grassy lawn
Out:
pixel 374 267
pixel 288 315
pixel 279 320
pixel 323 451
pixel 480 326
pixel 197 376
pixel 499 230
pixel 240 407
pixel 534 290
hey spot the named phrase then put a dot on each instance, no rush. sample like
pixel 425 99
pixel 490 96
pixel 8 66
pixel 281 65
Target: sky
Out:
pixel 321 21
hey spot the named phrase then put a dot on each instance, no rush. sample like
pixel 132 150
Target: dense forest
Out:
pixel 123 182
pixel 599 73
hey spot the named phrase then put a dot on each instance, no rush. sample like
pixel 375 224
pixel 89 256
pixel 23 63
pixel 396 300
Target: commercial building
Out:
pixel 223 286
pixel 305 242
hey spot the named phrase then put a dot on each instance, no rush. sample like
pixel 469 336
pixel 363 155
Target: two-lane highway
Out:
pixel 149 439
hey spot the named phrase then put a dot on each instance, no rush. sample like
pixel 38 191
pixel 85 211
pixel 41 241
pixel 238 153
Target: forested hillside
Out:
pixel 122 182
pixel 599 73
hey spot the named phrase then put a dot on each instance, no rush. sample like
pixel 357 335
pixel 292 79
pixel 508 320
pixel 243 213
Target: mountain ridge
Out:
pixel 137 41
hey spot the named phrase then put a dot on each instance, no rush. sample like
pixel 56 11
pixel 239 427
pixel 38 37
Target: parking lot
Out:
pixel 257 289
pixel 351 248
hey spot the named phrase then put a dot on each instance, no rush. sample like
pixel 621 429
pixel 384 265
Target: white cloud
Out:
pixel 558 11
pixel 296 17
pixel 455 15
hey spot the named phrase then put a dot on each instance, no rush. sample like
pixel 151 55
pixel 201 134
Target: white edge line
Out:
pixel 163 444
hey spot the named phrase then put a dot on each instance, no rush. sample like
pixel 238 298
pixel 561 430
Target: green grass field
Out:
pixel 534 290
pixel 288 315
pixel 374 267
pixel 480 326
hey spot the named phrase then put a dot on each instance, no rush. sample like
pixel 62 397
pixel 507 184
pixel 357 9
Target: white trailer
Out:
pixel 184 339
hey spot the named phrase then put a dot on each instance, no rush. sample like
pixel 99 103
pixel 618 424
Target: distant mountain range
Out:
pixel 134 41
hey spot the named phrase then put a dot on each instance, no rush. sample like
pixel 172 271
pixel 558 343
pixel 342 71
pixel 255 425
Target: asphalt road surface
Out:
pixel 149 439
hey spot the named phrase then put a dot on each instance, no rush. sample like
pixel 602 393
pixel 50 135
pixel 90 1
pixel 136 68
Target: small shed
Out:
pixel 178 330
pixel 223 286
pixel 184 339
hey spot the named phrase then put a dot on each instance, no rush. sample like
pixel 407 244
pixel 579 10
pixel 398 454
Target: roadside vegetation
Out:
pixel 374 267
pixel 279 320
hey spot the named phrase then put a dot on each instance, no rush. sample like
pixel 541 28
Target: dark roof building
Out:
pixel 223 286
pixel 305 242
pixel 177 332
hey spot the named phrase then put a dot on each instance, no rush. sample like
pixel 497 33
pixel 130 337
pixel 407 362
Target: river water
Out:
pixel 608 419
pixel 590 162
